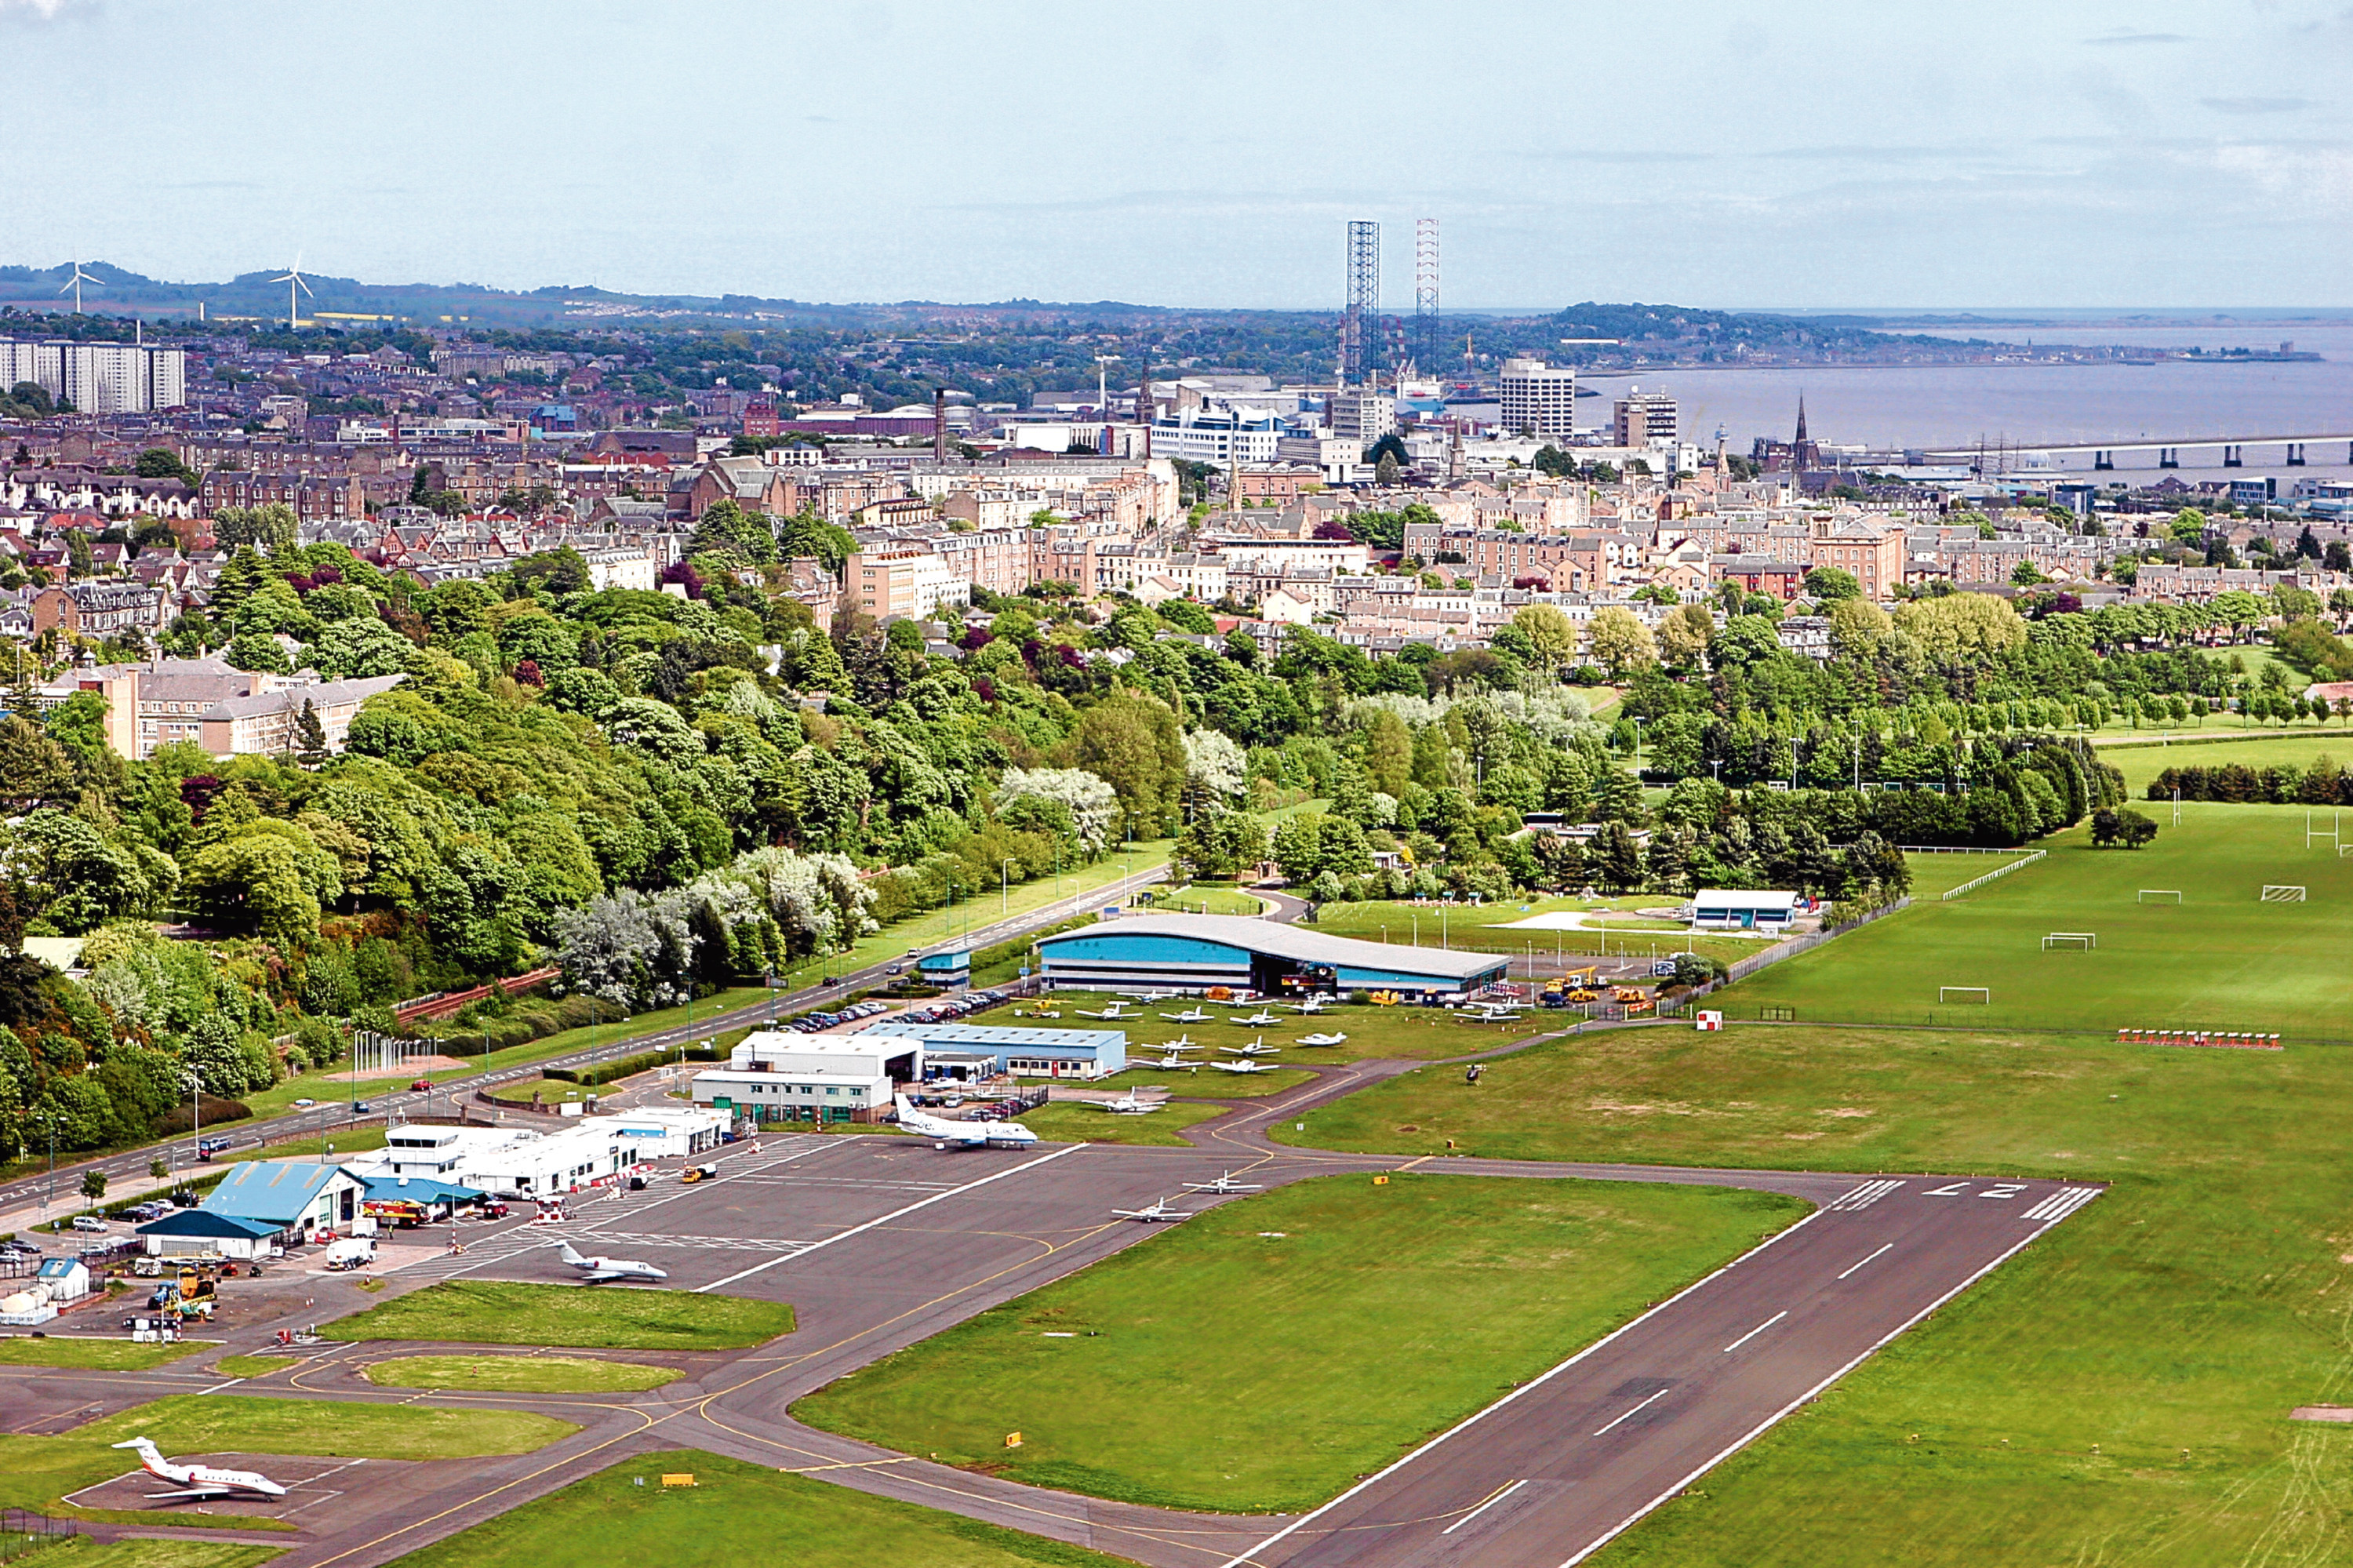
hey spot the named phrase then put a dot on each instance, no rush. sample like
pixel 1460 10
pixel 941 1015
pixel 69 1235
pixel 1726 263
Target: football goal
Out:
pixel 2281 893
pixel 2085 940
pixel 1976 993
pixel 2160 895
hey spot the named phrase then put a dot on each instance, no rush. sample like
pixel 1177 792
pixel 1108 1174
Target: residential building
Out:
pixel 1539 399
pixel 98 377
pixel 904 585
pixel 1645 418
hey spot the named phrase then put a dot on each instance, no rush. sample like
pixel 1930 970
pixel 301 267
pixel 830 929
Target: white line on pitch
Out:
pixel 1633 1413
pixel 1492 1501
pixel 1755 1331
pixel 1867 1260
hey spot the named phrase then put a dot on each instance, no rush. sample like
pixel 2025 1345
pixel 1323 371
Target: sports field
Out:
pixel 2218 959
pixel 1428 1032
pixel 2293 748
pixel 2116 1394
pixel 1230 1362
pixel 1480 928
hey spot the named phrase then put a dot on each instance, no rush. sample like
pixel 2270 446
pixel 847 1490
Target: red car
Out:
pixel 422 1086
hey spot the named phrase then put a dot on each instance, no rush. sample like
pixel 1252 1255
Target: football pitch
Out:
pixel 2097 940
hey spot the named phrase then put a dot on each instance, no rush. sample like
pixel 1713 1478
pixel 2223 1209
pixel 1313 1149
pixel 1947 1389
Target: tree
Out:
pixel 2111 826
pixel 1132 744
pixel 1070 801
pixel 1858 627
pixel 310 737
pixel 1213 766
pixel 2026 573
pixel 1683 635
pixel 1552 637
pixel 162 462
pixel 1616 860
pixel 1832 582
pixel 271 527
pixel 1962 625
pixel 93 1185
pixel 1619 642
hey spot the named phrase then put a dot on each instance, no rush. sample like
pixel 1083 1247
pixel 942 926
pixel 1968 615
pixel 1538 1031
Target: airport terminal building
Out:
pixel 1195 952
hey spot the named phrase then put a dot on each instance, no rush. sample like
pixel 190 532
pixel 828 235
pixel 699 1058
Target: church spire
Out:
pixel 1801 419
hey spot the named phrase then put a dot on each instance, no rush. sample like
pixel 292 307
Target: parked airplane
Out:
pixel 1247 1064
pixel 1258 1047
pixel 1491 1011
pixel 1128 1104
pixel 1315 1002
pixel 964 1134
pixel 1148 997
pixel 1322 1040
pixel 1171 1064
pixel 1224 1183
pixel 1182 1043
pixel 598 1270
pixel 1261 1019
pixel 1190 1015
pixel 1159 1213
pixel 1111 1012
pixel 202 1483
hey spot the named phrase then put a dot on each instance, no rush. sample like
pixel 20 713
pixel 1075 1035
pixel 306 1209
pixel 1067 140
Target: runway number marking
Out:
pixel 1499 1496
pixel 1755 1331
pixel 1954 1190
pixel 2003 1190
pixel 1629 1416
pixel 1867 1260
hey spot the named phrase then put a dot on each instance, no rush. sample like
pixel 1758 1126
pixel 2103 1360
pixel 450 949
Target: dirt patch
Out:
pixel 1845 1111
pixel 2335 1413
pixel 1619 1107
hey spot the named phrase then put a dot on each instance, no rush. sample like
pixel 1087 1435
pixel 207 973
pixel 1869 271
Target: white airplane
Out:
pixel 1182 1043
pixel 599 1271
pixel 1247 1064
pixel 964 1134
pixel 1190 1015
pixel 1258 1047
pixel 1148 997
pixel 1128 1104
pixel 201 1483
pixel 1170 1064
pixel 1224 1183
pixel 1322 1040
pixel 1111 1012
pixel 1158 1213
pixel 1314 1003
pixel 1261 1019
pixel 1491 1011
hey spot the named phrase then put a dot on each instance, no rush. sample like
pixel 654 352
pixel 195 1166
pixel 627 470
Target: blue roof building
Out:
pixel 1195 952
pixel 287 1194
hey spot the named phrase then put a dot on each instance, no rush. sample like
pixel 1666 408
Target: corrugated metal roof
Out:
pixel 275 1189
pixel 989 1034
pixel 1293 942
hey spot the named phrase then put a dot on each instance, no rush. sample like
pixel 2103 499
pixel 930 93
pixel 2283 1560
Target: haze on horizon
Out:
pixel 2147 158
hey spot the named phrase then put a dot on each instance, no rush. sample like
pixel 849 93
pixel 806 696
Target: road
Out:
pixel 21 1201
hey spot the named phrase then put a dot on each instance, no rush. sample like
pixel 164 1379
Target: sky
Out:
pixel 1822 154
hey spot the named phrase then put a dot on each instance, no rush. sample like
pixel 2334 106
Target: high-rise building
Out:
pixel 1645 418
pixel 1363 417
pixel 1539 400
pixel 98 377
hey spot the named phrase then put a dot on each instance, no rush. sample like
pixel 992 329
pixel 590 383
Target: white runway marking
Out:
pixel 1631 1414
pixel 1755 1331
pixel 2003 1190
pixel 1862 1197
pixel 1866 1260
pixel 1952 1190
pixel 735 1244
pixel 2061 1204
pixel 1499 1497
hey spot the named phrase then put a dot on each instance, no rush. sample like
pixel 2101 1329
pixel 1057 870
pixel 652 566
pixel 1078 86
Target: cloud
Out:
pixel 44 9
pixel 1855 154
pixel 2256 105
pixel 2122 36
pixel 1629 155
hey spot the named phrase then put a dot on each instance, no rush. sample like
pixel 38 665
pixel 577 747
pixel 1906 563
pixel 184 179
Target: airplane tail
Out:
pixel 146 1447
pixel 569 1255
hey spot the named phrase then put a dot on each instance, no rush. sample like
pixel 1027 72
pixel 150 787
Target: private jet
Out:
pixel 1247 1064
pixel 1261 1019
pixel 1190 1015
pixel 1258 1047
pixel 1159 1214
pixel 1491 1011
pixel 1128 1104
pixel 1322 1040
pixel 964 1134
pixel 1113 1012
pixel 1224 1183
pixel 601 1271
pixel 199 1483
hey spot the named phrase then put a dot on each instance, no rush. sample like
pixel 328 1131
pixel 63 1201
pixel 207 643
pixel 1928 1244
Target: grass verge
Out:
pixel 96 1355
pixel 215 1424
pixel 487 1312
pixel 147 1552
pixel 519 1374
pixel 1190 1373
pixel 1069 1123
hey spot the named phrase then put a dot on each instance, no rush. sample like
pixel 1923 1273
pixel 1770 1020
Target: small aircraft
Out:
pixel 598 1270
pixel 1148 997
pixel 1261 1019
pixel 1322 1040
pixel 1315 1002
pixel 1128 1104
pixel 1190 1015
pixel 1158 1213
pixel 1182 1043
pixel 964 1134
pixel 1112 1013
pixel 1258 1047
pixel 1224 1183
pixel 200 1483
pixel 1247 1064
pixel 1171 1064
pixel 1491 1011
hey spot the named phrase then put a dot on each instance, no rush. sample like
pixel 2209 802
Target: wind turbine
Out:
pixel 75 283
pixel 293 281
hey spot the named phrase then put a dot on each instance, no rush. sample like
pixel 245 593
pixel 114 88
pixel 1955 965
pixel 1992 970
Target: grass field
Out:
pixel 136 1552
pixel 1205 1085
pixel 38 1473
pixel 98 1355
pixel 731 1508
pixel 2220 959
pixel 213 1424
pixel 1479 930
pixel 253 1366
pixel 2295 747
pixel 1933 875
pixel 1226 1363
pixel 483 1312
pixel 519 1374
pixel 1069 1123
pixel 1204 898
pixel 2205 1294
pixel 1427 1032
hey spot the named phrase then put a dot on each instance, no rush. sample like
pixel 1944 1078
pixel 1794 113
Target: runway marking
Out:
pixel 1499 1495
pixel 1953 1189
pixel 736 1244
pixel 1755 1331
pixel 2003 1190
pixel 2061 1204
pixel 895 1213
pixel 1862 1197
pixel 1858 1265
pixel 1631 1414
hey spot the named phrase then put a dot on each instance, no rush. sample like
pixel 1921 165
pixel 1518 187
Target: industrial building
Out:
pixel 1026 1053
pixel 773 1075
pixel 1196 952
pixel 507 1160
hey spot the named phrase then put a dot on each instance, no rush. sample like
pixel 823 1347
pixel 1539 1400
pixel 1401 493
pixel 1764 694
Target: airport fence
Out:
pixel 1775 954
pixel 23 1531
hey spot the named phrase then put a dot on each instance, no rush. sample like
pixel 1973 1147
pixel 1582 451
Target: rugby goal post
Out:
pixel 2085 940
pixel 1965 993
pixel 2160 894
pixel 2281 893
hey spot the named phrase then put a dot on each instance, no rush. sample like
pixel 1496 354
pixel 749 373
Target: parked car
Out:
pixel 421 1086
pixel 89 1222
pixel 304 1105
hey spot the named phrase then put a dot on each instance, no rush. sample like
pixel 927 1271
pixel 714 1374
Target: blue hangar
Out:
pixel 1194 952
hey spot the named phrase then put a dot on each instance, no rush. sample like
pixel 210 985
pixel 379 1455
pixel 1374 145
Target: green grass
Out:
pixel 484 1312
pixel 253 1366
pixel 96 1355
pixel 1427 1032
pixel 147 1552
pixel 551 1091
pixel 1204 898
pixel 1208 1084
pixel 519 1374
pixel 1069 1123
pixel 1933 875
pixel 2294 748
pixel 2221 959
pixel 1468 929
pixel 2191 1307
pixel 344 1140
pixel 735 1508
pixel 221 1423
pixel 1223 1367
